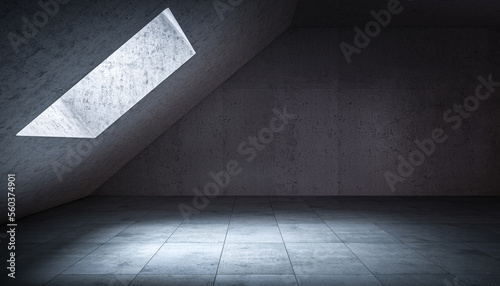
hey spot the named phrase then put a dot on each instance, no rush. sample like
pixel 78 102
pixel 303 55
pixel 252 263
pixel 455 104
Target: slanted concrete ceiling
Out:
pixel 73 41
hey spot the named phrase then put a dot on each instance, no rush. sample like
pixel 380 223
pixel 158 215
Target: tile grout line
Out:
pixel 360 258
pixel 101 244
pixel 345 244
pixel 396 239
pixel 135 276
pixel 224 243
pixel 284 244
pixel 447 272
pixel 402 242
pixel 377 225
pixel 325 223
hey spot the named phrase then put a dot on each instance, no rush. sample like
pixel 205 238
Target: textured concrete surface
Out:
pixel 370 241
pixel 421 13
pixel 52 171
pixel 118 83
pixel 354 120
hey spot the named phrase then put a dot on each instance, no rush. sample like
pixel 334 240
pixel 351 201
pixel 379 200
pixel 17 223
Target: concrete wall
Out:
pixel 76 39
pixel 354 120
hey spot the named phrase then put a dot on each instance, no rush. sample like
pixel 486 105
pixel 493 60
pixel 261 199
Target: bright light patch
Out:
pixel 118 83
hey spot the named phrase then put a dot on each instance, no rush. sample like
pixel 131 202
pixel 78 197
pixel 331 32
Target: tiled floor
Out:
pixel 261 241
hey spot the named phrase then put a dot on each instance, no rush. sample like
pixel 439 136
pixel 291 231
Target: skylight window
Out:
pixel 118 83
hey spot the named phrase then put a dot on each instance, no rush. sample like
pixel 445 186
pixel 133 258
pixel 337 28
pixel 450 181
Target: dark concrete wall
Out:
pixel 354 120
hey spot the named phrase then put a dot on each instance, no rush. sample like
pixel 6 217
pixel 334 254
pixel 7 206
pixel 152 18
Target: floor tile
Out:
pixel 480 280
pixel 386 216
pixel 185 259
pixel 121 216
pixel 417 232
pixel 344 280
pixel 353 225
pixel 210 217
pixel 393 258
pixel 115 258
pixel 253 217
pixel 168 218
pixel 199 233
pixel 300 216
pixel 143 233
pixel 26 280
pixel 324 258
pixel 173 280
pixel 91 279
pixel 40 234
pixel 337 214
pixel 469 233
pixel 254 258
pixel 255 280
pixel 91 233
pixel 307 233
pixel 367 237
pixel 419 280
pixel 493 227
pixel 492 249
pixel 253 233
pixel 458 258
